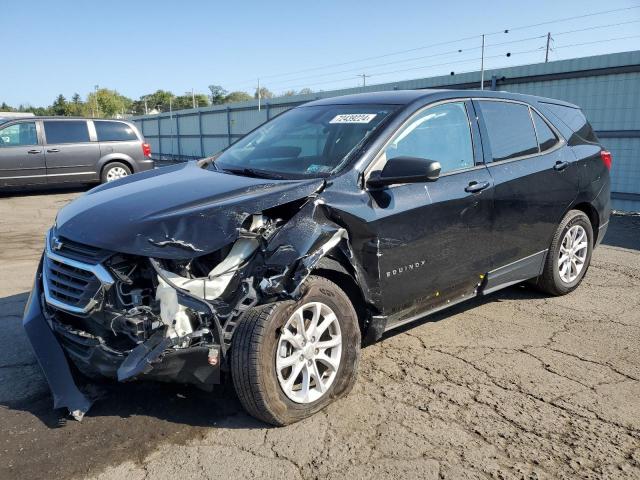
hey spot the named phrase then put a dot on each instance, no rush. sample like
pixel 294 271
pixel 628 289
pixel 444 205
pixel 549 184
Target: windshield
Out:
pixel 309 141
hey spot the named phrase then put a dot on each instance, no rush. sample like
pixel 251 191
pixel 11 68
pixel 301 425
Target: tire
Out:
pixel 113 171
pixel 260 336
pixel 551 280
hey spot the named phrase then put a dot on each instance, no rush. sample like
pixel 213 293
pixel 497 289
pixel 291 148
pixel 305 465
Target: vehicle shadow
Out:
pixel 623 232
pixel 24 388
pixel 516 292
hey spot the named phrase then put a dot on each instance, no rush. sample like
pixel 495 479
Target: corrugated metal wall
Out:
pixel 607 87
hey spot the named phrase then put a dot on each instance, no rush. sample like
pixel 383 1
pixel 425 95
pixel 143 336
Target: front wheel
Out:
pixel 290 359
pixel 569 255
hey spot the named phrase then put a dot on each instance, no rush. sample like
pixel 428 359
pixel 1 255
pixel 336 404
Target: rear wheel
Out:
pixel 291 359
pixel 569 255
pixel 113 171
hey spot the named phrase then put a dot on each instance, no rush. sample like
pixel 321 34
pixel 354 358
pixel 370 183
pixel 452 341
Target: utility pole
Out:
pixel 546 55
pixel 193 98
pixel 482 65
pixel 258 94
pixel 96 102
pixel 364 78
pixel 146 108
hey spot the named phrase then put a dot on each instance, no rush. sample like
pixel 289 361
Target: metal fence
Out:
pixel 607 87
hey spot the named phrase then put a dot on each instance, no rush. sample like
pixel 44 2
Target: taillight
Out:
pixel 146 150
pixel 606 158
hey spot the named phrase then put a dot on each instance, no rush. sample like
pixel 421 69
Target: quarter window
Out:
pixel 510 129
pixel 66 131
pixel 114 131
pixel 546 138
pixel 441 133
pixel 18 135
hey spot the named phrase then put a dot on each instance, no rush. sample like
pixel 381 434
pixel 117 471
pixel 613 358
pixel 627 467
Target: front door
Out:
pixel 71 156
pixel 433 236
pixel 21 155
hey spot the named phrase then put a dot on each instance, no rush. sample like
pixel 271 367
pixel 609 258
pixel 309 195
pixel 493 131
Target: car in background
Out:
pixel 52 150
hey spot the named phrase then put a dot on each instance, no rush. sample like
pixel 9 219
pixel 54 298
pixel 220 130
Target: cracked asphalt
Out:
pixel 516 385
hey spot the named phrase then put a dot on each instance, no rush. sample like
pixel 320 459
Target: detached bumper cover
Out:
pixel 51 357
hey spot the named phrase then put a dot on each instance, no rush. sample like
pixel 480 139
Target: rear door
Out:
pixel 22 160
pixel 536 180
pixel 433 235
pixel 71 153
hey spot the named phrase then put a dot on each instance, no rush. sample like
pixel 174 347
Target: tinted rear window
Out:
pixel 68 131
pixel 510 129
pixel 575 120
pixel 546 138
pixel 114 132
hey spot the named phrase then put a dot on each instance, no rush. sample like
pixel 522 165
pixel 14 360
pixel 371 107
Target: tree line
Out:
pixel 106 103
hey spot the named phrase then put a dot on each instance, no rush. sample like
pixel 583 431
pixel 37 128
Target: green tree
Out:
pixel 109 103
pixel 186 101
pixel 60 106
pixel 218 94
pixel 6 108
pixel 289 93
pixel 237 97
pixel 264 93
pixel 305 91
pixel 77 107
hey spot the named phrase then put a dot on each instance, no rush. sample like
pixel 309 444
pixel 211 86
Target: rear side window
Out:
pixel 510 129
pixel 575 120
pixel 114 131
pixel 546 138
pixel 69 131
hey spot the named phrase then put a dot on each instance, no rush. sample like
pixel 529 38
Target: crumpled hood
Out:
pixel 174 212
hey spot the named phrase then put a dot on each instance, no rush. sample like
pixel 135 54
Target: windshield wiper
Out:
pixel 252 172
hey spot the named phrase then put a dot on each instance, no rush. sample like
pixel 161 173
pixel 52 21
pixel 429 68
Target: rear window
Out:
pixel 114 131
pixel 510 129
pixel 575 120
pixel 68 131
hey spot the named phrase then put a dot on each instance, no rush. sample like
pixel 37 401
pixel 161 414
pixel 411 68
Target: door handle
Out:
pixel 34 151
pixel 475 187
pixel 53 150
pixel 559 166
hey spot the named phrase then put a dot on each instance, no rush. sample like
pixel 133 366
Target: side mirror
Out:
pixel 405 170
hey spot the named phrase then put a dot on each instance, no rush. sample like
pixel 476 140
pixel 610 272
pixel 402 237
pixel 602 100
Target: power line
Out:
pixel 449 52
pixel 602 12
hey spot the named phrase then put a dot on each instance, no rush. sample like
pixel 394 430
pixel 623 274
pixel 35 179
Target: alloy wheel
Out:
pixel 116 173
pixel 309 352
pixel 573 253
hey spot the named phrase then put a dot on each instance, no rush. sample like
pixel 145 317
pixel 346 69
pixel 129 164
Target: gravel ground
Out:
pixel 516 385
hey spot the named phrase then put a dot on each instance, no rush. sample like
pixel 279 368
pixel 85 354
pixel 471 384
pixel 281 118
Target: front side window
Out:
pixel 311 141
pixel 18 135
pixel 114 131
pixel 546 138
pixel 510 129
pixel 66 131
pixel 441 133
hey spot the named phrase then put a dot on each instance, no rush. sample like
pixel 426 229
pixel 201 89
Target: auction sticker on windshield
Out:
pixel 353 118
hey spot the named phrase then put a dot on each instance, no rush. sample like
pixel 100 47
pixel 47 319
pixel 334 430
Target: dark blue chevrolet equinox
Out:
pixel 272 262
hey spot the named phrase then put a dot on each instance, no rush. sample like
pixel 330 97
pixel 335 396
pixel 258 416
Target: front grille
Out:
pixel 79 251
pixel 70 284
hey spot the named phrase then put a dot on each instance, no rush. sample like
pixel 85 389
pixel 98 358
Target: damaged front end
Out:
pixel 126 316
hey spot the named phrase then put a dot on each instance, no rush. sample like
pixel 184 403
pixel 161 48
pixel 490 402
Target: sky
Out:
pixel 136 47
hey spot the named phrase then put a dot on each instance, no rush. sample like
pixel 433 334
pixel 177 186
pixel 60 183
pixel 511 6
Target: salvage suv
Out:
pixel 331 224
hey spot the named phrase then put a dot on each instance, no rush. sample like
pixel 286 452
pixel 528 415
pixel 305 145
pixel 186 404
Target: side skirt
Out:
pixel 502 277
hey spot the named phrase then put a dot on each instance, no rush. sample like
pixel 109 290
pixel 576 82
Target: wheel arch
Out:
pixel 105 161
pixel 337 270
pixel 594 217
